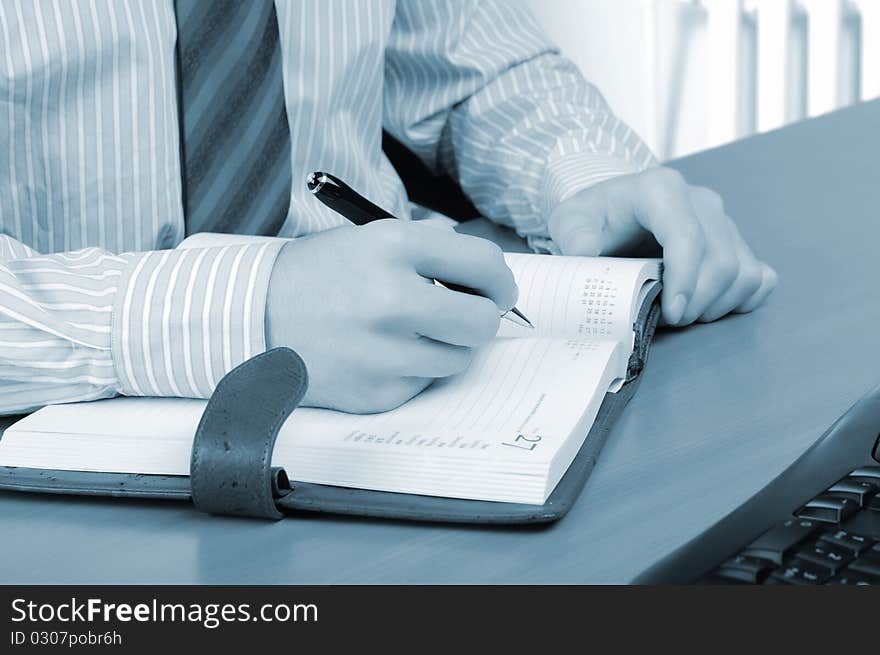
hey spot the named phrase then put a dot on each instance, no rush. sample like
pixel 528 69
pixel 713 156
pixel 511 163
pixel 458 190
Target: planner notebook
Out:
pixel 506 430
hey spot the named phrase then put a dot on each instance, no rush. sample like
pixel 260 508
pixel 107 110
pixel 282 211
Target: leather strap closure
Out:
pixel 231 464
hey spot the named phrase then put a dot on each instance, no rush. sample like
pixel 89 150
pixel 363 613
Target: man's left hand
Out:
pixel 709 270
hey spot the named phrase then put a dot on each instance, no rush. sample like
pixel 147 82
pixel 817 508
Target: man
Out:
pixel 127 125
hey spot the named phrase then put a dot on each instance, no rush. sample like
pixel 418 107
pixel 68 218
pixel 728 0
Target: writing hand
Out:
pixel 359 306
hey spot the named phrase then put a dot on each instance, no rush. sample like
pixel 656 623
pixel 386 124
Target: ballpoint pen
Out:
pixel 344 200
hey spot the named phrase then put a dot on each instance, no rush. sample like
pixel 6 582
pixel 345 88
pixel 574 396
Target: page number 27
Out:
pixel 523 442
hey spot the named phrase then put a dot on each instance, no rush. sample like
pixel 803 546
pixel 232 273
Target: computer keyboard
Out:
pixel 835 538
pixel 817 523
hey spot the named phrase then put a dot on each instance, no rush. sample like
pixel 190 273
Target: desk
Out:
pixel 721 410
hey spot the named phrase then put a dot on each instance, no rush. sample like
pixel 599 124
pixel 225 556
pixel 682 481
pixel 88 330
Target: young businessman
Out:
pixel 127 125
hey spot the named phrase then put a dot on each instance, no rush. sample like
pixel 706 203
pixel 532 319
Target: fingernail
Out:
pixel 676 308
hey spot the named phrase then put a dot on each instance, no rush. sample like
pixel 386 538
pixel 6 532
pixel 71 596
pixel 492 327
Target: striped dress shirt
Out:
pixel 97 300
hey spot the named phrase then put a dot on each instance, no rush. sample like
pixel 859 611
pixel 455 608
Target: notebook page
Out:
pixel 120 435
pixel 517 393
pixel 526 387
pixel 499 435
pixel 126 418
pixel 578 297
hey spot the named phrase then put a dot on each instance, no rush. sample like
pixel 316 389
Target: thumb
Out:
pixel 577 234
pixel 583 241
pixel 598 221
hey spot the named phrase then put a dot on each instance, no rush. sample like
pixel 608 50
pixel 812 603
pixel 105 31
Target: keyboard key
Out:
pixel 860 491
pixel 745 569
pixel 850 577
pixel 867 472
pixel 850 538
pixel 874 503
pixel 827 554
pixel 866 523
pixel 829 509
pixel 869 561
pixel 775 544
pixel 802 572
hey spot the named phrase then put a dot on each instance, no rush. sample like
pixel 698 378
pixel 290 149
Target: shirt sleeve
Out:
pixel 477 91
pixel 89 324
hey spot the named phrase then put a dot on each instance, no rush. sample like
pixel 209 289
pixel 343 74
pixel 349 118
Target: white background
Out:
pixel 656 65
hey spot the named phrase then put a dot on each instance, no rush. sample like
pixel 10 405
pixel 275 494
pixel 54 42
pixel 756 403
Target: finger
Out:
pixel 433 359
pixel 463 260
pixel 663 207
pixel 769 281
pixel 720 266
pixel 593 223
pixel 583 228
pixel 456 318
pixel 747 282
pixel 422 357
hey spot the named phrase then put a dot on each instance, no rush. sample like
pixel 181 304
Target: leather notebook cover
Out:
pixel 231 471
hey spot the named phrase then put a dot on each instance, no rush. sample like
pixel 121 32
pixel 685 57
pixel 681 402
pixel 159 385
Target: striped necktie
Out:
pixel 235 137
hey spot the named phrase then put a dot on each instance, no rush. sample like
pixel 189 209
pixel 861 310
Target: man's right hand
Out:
pixel 359 306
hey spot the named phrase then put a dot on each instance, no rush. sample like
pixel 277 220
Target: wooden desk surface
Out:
pixel 722 409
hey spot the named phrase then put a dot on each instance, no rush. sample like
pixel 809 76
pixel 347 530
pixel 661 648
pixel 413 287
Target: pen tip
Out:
pixel 522 318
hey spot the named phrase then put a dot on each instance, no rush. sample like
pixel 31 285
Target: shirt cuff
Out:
pixel 182 319
pixel 567 175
